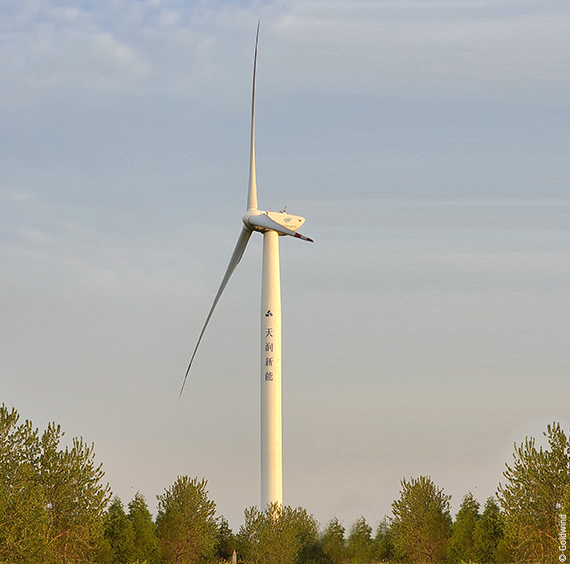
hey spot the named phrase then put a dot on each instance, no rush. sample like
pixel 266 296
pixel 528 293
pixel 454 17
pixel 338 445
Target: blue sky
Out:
pixel 424 331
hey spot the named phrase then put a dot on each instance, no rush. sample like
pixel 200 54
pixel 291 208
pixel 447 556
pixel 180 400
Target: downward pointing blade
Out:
pixel 234 261
pixel 265 222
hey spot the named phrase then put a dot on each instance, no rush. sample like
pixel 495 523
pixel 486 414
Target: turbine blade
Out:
pixel 252 189
pixel 234 261
pixel 265 222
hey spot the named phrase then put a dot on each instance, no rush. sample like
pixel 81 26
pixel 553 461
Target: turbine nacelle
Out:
pixel 292 222
pixel 280 222
pixel 251 220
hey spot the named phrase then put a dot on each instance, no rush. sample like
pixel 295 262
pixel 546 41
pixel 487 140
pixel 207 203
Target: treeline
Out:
pixel 54 508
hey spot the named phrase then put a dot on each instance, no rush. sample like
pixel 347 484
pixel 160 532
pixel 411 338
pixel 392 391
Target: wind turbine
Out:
pixel 271 224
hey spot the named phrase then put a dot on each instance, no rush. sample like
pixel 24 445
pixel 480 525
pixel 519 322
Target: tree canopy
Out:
pixel 535 493
pixel 422 521
pixel 489 544
pixel 145 541
pixel 55 509
pixel 333 542
pixel 118 547
pixel 462 542
pixel 186 523
pixel 359 545
pixel 279 535
pixel 52 500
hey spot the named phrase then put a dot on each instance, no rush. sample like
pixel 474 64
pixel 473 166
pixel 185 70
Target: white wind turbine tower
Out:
pixel 272 225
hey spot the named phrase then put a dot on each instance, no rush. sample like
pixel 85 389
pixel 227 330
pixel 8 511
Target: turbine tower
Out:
pixel 271 224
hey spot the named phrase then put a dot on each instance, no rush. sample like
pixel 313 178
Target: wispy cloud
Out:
pixel 405 49
pixel 413 49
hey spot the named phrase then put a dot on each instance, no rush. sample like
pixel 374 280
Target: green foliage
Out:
pixel 145 541
pixel 422 522
pixel 462 543
pixel 74 497
pixel 279 535
pixel 359 545
pixel 535 492
pixel 489 535
pixel 51 500
pixel 186 526
pixel 333 543
pixel 225 540
pixel 53 509
pixel 23 517
pixel 383 543
pixel 119 536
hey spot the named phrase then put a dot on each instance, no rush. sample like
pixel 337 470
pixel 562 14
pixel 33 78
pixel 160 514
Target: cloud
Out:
pixel 170 17
pixel 410 49
pixel 63 54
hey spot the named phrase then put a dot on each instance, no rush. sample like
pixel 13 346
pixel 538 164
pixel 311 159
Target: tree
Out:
pixel 279 535
pixel 145 541
pixel 489 534
pixel 333 542
pixel 462 542
pixel 535 491
pixel 422 522
pixel 359 543
pixel 23 516
pixel 383 543
pixel 225 540
pixel 119 536
pixel 52 501
pixel 186 526
pixel 74 497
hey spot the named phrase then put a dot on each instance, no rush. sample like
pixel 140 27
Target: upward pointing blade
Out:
pixel 252 190
pixel 234 261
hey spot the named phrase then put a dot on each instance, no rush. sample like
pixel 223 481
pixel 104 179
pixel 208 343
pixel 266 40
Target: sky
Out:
pixel 426 329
